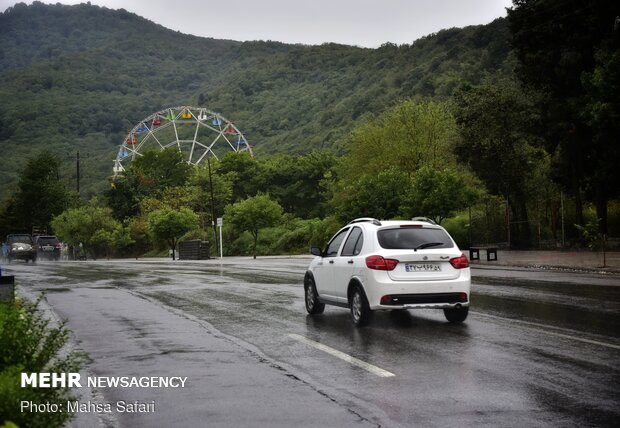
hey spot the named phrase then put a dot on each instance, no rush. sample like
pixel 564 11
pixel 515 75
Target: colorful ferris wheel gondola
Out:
pixel 230 130
pixel 198 133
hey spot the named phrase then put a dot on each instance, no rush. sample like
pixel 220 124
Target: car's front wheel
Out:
pixel 456 315
pixel 360 310
pixel 313 305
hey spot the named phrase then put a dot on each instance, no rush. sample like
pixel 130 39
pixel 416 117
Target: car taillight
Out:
pixel 460 262
pixel 380 263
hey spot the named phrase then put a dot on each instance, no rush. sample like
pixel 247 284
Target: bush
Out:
pixel 30 345
pixel 293 236
pixel 303 234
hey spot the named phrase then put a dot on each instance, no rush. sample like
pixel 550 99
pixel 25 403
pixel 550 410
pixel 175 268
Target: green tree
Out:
pixel 406 137
pixel 253 214
pixel 498 122
pixel 170 224
pixel 244 170
pixel 603 116
pixel 379 196
pixel 90 226
pixel 162 169
pixel 437 194
pixel 211 190
pixel 125 194
pixel 40 194
pixel 297 183
pixel 563 48
pixel 150 175
pixel 138 228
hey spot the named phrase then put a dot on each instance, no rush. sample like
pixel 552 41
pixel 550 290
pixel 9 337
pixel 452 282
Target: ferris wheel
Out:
pixel 197 133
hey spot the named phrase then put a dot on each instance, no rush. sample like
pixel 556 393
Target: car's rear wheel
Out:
pixel 360 310
pixel 456 315
pixel 313 305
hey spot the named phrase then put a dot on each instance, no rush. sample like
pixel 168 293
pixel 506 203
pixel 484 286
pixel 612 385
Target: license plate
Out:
pixel 422 267
pixel 48 248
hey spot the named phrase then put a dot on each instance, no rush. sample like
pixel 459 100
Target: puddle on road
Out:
pixel 57 290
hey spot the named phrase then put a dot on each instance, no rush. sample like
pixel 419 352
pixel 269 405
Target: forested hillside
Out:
pixel 79 77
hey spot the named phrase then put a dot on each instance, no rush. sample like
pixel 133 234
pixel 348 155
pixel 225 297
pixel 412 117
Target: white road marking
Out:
pixel 543 329
pixel 345 357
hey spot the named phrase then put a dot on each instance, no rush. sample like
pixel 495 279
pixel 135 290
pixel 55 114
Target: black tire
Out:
pixel 313 305
pixel 358 304
pixel 456 315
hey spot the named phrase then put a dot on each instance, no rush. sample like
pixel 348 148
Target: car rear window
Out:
pixel 45 240
pixel 409 238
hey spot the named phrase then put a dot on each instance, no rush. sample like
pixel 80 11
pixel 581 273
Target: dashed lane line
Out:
pixel 345 357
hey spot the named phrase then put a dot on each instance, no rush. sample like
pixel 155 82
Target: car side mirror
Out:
pixel 316 251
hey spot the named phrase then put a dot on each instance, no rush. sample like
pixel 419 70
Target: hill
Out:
pixel 79 77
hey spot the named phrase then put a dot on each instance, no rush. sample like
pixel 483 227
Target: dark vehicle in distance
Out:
pixel 48 247
pixel 20 247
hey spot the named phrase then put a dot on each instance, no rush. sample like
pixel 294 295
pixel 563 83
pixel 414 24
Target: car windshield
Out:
pixel 410 238
pixel 24 239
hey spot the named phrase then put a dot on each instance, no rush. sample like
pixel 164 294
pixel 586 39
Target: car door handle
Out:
pixel 350 262
pixel 331 262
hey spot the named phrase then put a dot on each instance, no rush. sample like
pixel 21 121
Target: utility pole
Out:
pixel 212 202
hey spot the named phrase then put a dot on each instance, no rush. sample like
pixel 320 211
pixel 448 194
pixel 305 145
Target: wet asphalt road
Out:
pixel 540 348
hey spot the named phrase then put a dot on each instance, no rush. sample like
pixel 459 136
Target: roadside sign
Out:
pixel 220 223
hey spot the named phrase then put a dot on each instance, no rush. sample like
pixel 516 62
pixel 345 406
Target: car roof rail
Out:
pixel 366 220
pixel 424 219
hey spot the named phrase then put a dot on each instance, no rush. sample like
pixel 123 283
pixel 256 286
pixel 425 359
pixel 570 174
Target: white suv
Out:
pixel 384 265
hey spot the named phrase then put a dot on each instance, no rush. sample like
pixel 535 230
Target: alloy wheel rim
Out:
pixel 310 295
pixel 356 306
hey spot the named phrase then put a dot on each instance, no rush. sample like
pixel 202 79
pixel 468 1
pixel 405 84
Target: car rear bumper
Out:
pixel 422 306
pixel 48 254
pixel 419 295
pixel 23 255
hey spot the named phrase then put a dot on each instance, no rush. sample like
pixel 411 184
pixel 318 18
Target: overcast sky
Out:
pixel 366 23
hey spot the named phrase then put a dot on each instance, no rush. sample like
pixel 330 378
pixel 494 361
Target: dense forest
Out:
pixel 79 77
pixel 505 133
